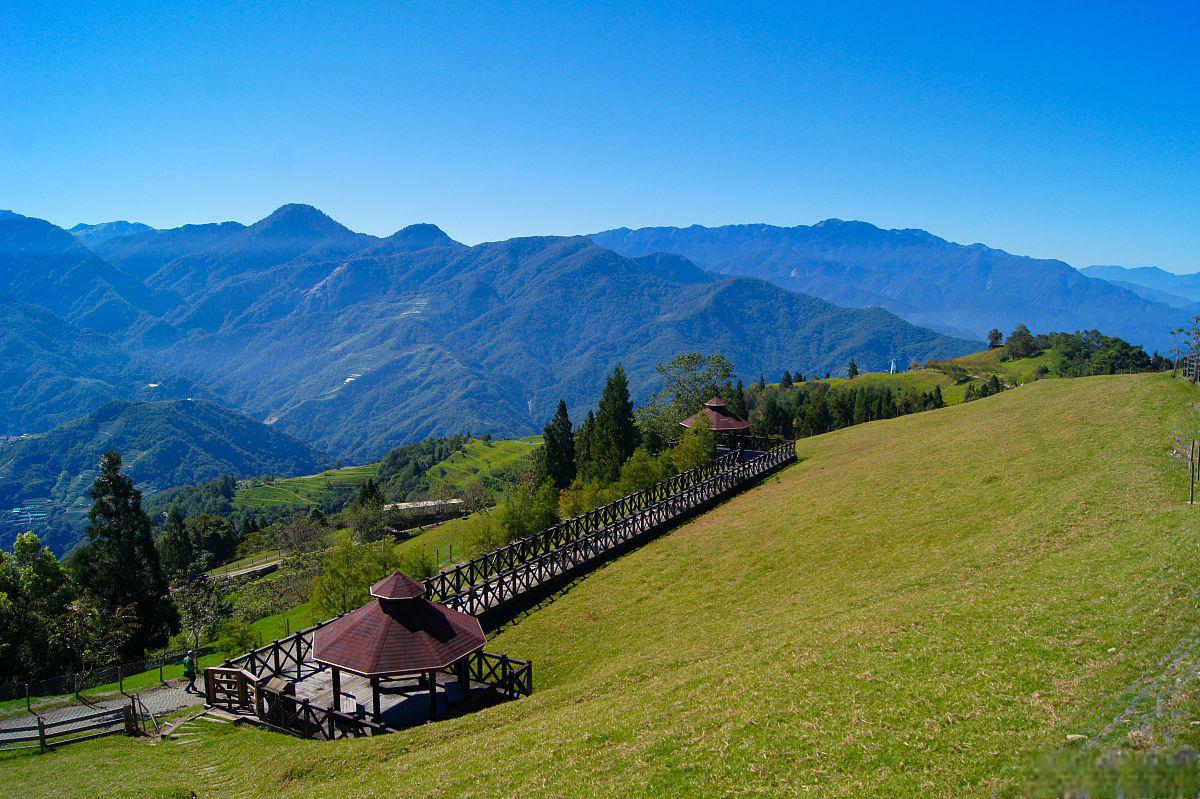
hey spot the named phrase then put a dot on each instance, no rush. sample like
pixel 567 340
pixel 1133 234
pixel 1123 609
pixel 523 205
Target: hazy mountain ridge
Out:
pixel 53 371
pixel 925 279
pixel 163 444
pixel 520 323
pixel 1179 290
pixel 92 235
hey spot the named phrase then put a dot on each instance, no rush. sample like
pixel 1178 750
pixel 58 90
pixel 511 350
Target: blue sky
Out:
pixel 1054 131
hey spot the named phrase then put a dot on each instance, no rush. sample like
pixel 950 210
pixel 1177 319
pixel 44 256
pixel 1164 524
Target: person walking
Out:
pixel 189 671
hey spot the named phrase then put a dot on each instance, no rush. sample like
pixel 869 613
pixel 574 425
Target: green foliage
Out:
pixel 202 607
pixel 688 381
pixel 403 469
pixel 119 564
pixel 614 435
pixel 558 448
pixel 348 570
pixel 167 444
pixel 175 550
pixel 36 592
pixel 697 446
pixel 533 508
pixel 852 371
pixel 418 563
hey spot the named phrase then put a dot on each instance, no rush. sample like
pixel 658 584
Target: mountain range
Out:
pixel 962 290
pixel 1180 291
pixel 355 343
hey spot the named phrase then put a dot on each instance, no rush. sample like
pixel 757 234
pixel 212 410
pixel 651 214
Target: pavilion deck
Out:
pixel 403 701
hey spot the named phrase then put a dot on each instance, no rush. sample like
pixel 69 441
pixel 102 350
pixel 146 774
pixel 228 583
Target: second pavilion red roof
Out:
pixel 402 635
pixel 719 416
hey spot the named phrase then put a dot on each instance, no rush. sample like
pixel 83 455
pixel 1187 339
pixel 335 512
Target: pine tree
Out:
pixel 786 380
pixel 762 382
pixel 938 400
pixel 121 566
pixel 853 371
pixel 737 402
pixel 558 444
pixel 584 462
pixel 616 435
pixel 175 549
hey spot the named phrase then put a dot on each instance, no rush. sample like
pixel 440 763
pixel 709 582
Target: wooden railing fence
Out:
pixel 493 588
pixel 301 717
pixel 44 735
pixel 456 580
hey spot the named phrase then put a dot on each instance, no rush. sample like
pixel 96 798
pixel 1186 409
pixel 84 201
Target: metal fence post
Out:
pixel 120 679
pixel 41 735
pixel 27 706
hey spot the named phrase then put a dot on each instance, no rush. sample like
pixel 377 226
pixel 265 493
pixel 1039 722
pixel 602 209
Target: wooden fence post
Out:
pixel 27 706
pixel 41 735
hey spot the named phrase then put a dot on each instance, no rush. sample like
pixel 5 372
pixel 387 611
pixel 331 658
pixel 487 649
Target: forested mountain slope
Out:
pixel 965 290
pixel 163 444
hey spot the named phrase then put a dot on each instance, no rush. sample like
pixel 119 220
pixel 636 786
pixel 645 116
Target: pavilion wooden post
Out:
pixel 337 689
pixel 432 677
pixel 464 678
pixel 375 699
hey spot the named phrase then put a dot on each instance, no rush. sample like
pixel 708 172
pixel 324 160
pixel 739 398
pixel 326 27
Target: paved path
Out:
pixel 158 700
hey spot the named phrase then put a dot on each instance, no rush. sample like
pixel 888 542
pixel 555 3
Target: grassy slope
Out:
pixel 916 609
pixel 1022 370
pixel 298 492
pixel 480 460
pixel 915 381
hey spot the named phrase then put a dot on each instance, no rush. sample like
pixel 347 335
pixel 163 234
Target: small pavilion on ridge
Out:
pixel 720 418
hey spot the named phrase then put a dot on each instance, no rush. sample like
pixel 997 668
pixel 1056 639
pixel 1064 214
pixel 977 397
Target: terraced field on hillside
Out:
pixel 925 606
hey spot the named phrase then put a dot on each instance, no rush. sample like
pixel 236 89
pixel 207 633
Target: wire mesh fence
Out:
pixel 73 683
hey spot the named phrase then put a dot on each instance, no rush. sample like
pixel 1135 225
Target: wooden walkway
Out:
pixel 502 576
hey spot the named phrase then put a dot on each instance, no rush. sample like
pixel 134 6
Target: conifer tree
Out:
pixel 762 382
pixel 558 443
pixel 584 462
pixel 175 549
pixel 853 371
pixel 120 566
pixel 615 435
pixel 786 380
pixel 737 400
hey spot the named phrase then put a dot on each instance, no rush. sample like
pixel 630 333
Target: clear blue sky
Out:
pixel 1047 130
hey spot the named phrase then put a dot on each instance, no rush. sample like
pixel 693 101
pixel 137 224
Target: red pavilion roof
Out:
pixel 719 416
pixel 397 635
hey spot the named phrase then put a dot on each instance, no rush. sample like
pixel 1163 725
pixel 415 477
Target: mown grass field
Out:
pixel 918 381
pixel 925 606
pixel 494 463
pixel 1022 370
pixel 490 461
pixel 300 492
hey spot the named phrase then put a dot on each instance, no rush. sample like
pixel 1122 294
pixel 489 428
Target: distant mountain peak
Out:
pixel 92 235
pixel 421 235
pixel 299 219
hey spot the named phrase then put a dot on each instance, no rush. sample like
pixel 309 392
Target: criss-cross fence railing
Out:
pixel 645 517
pixel 457 579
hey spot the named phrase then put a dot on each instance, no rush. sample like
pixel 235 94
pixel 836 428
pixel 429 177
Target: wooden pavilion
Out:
pixel 720 418
pixel 398 635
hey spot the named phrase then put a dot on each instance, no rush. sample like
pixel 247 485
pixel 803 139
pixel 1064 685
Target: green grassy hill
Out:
pixel 298 492
pixel 494 462
pixel 917 381
pixel 925 606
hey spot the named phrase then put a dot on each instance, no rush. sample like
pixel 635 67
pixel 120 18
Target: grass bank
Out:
pixel 925 606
